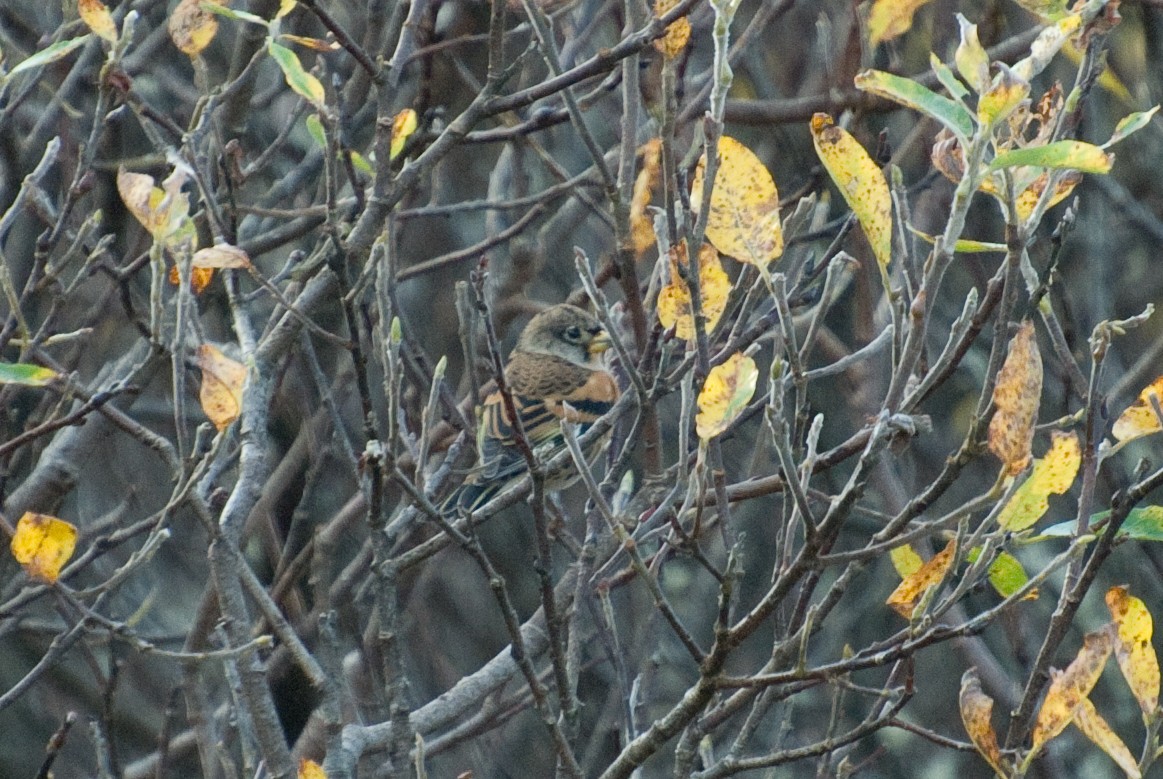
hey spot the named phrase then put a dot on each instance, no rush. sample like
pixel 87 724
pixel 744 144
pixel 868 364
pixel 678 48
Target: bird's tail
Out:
pixel 468 498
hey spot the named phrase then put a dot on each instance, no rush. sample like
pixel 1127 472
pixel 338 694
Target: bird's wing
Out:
pixel 500 456
pixel 545 390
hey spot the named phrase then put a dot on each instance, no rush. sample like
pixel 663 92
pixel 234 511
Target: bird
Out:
pixel 555 373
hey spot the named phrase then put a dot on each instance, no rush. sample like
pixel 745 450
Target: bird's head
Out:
pixel 565 331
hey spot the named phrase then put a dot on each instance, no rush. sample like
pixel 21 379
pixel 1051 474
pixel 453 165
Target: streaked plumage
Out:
pixel 556 364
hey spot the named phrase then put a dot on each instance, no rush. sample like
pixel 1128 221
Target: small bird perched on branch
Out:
pixel 554 373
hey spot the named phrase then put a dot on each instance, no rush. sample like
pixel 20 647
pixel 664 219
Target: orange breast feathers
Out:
pixel 543 386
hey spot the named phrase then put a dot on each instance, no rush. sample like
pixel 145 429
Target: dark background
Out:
pixel 101 478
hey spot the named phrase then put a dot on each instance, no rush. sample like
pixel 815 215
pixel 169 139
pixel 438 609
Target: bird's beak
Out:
pixel 599 344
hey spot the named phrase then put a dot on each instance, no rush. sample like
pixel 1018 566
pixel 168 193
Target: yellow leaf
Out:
pixel 971 58
pixel 905 560
pixel 1007 92
pixel 890 18
pixel 1053 474
pixel 137 191
pixel 163 211
pixel 285 7
pixel 1070 687
pixel 403 125
pixel 1047 44
pixel 904 598
pixel 1090 722
pixel 641 225
pixel 1029 196
pixel 725 394
pixel 97 16
pixel 309 769
pixel 43 544
pixel 744 218
pixel 677 34
pixel 222 381
pixel 1140 419
pixel 1016 396
pixel 200 278
pixel 674 299
pixel 205 261
pixel 192 27
pixel 221 255
pixel 859 180
pixel 947 158
pixel 1133 650
pixel 315 44
pixel 976 709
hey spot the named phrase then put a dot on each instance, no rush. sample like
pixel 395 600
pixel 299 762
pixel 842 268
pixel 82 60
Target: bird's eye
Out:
pixel 573 333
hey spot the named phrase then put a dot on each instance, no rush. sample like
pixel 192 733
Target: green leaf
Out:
pixel 58 50
pixel 315 130
pixel 1063 529
pixel 1131 123
pixel 1142 524
pixel 360 163
pixel 1072 155
pixel 963 245
pixel 1047 10
pixel 947 78
pixel 911 94
pixel 970 246
pixel 28 375
pixel 230 13
pixel 298 79
pixel 1007 575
